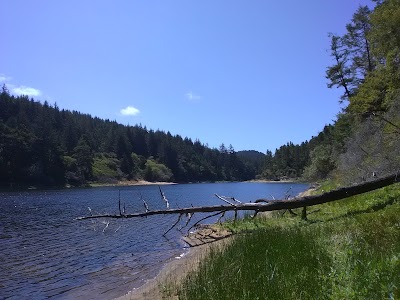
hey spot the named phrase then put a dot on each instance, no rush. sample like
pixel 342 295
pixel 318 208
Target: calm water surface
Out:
pixel 45 253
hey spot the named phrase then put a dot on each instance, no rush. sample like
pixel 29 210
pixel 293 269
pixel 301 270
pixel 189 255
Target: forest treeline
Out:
pixel 43 144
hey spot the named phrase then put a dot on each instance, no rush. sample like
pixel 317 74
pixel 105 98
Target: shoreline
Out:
pixel 128 183
pixel 275 181
pixel 172 272
pixel 17 188
pixel 131 183
pixel 176 269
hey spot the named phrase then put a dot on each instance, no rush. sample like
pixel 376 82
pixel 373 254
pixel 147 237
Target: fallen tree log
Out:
pixel 262 205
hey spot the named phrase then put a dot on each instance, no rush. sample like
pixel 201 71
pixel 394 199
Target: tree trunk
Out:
pixel 262 205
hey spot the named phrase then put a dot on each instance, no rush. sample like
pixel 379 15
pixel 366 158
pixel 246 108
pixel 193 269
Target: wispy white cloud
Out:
pixel 4 78
pixel 192 96
pixel 19 90
pixel 25 90
pixel 129 111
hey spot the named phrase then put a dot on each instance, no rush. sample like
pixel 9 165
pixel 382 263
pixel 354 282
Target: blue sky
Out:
pixel 246 73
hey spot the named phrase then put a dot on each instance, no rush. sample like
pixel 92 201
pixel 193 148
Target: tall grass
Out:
pixel 264 264
pixel 348 249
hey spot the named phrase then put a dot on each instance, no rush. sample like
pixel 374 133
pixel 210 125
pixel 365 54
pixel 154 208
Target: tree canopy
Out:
pixel 365 138
pixel 41 144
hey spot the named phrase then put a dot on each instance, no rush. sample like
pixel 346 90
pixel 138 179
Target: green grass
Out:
pixel 348 249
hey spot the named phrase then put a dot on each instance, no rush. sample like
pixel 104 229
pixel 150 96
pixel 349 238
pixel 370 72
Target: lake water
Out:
pixel 45 253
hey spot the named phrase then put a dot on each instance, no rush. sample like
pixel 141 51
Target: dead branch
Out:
pixel 205 218
pixel 119 202
pixel 262 205
pixel 189 215
pixel 176 223
pixel 106 223
pixel 220 217
pixel 255 214
pixel 236 200
pixel 163 197
pixel 146 207
pixel 224 199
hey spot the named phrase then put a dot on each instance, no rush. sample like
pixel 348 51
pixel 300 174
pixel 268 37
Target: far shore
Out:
pixel 274 181
pixel 123 183
pixel 131 183
pixel 144 182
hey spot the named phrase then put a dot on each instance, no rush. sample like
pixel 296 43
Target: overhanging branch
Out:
pixel 263 205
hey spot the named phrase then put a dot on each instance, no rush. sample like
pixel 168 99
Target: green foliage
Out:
pixel 352 56
pixel 385 33
pixel 371 95
pixel 106 167
pixel 157 172
pixel 348 249
pixel 322 163
pixel 364 140
pixel 288 161
pixel 84 159
pixel 382 78
pixel 261 265
pixel 340 74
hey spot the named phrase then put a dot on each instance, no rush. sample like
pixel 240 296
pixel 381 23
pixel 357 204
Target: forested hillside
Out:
pixel 43 144
pixel 364 141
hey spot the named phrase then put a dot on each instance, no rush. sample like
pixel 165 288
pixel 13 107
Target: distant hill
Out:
pixel 250 155
pixel 253 159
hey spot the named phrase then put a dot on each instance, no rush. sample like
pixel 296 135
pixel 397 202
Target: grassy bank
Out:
pixel 348 249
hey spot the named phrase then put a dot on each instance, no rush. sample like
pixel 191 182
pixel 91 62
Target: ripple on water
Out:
pixel 46 254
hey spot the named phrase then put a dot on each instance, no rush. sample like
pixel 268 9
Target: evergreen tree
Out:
pixel 84 159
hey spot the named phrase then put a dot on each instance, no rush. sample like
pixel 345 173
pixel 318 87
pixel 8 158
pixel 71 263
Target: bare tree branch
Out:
pixel 220 217
pixel 205 218
pixel 179 219
pixel 236 200
pixel 107 223
pixel 224 199
pixel 146 207
pixel 189 215
pixel 163 197
pixel 119 202
pixel 262 205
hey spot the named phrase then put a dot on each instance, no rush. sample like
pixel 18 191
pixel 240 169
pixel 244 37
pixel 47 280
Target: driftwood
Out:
pixel 262 205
